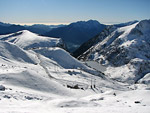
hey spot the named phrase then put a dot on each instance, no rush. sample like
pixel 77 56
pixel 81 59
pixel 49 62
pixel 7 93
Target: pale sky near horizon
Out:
pixel 67 11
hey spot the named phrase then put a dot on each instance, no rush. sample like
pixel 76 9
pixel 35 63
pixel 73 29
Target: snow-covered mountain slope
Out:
pixel 126 51
pixel 126 23
pixel 46 87
pixel 13 52
pixel 31 70
pixel 22 69
pixel 145 79
pixel 61 56
pixel 28 40
pixel 99 37
pixel 48 79
pixel 35 72
pixel 93 41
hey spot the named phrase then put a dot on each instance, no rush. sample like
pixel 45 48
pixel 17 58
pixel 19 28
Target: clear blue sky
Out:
pixel 66 11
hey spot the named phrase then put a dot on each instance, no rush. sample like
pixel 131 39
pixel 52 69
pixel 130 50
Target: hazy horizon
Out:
pixel 46 23
pixel 54 12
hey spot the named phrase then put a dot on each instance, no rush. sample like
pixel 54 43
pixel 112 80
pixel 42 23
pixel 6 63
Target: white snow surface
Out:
pixel 43 80
pixel 13 52
pixel 61 56
pixel 28 40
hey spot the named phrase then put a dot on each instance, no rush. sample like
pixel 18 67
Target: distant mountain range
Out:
pixel 77 33
pixel 73 35
pixel 6 28
pixel 42 29
pixel 5 24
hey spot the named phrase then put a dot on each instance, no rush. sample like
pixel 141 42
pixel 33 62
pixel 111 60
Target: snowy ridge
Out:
pixel 125 49
pixel 28 40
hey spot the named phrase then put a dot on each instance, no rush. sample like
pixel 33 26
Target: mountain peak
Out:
pixel 28 40
pixel 85 23
pixel 143 26
pixel 77 33
pixel 93 21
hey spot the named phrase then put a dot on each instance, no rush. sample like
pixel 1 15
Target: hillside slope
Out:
pixel 52 74
pixel 99 37
pixel 126 51
pixel 28 40
pixel 93 41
